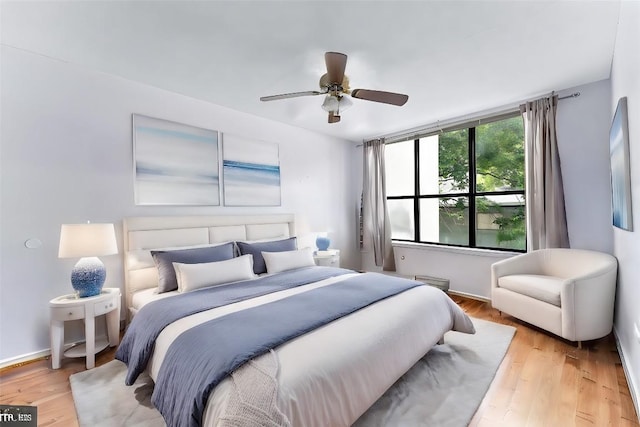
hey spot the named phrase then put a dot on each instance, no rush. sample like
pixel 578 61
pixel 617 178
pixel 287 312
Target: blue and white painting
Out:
pixel 620 172
pixel 251 172
pixel 175 164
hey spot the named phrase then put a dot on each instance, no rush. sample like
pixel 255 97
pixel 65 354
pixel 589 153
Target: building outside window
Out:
pixel 463 186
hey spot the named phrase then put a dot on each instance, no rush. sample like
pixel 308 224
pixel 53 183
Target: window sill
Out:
pixel 454 249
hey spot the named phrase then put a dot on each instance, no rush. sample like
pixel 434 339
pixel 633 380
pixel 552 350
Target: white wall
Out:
pixel 67 157
pixel 468 270
pixel 583 139
pixel 583 142
pixel 625 81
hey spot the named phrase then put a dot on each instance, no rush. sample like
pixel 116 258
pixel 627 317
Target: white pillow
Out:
pixel 195 276
pixel 288 260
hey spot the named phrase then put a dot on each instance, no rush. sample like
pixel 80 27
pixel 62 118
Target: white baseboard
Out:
pixel 449 291
pixel 633 387
pixel 30 357
pixel 19 360
pixel 471 296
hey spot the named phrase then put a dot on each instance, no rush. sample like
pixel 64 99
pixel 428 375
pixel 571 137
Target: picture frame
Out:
pixel 620 170
pixel 251 172
pixel 175 163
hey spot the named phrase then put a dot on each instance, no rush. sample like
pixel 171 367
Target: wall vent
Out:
pixel 442 284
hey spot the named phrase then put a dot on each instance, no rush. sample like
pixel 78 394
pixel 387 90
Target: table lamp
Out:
pixel 87 242
pixel 322 241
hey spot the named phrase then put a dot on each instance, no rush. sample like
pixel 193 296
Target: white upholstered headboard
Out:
pixel 142 234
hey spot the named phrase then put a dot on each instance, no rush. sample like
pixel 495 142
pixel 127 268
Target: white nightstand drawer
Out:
pixel 103 307
pixel 330 258
pixel 334 261
pixel 67 313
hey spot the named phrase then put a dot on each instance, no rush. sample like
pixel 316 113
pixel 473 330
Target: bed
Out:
pixel 328 375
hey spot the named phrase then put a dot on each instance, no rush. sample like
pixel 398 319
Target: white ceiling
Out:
pixel 452 58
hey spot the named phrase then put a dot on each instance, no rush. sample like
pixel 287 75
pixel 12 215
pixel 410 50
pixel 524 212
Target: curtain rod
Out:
pixel 573 95
pixel 468 118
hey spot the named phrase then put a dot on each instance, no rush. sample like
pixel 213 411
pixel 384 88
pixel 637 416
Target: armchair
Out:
pixel 568 292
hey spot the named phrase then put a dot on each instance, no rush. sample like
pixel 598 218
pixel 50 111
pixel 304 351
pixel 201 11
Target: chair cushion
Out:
pixel 543 288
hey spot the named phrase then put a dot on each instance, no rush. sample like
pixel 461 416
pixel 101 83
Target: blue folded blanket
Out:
pixel 137 344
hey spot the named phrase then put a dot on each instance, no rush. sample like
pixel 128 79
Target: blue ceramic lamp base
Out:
pixel 322 243
pixel 87 277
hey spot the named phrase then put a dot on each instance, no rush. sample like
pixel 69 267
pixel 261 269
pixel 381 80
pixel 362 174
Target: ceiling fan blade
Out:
pixel 291 95
pixel 379 96
pixel 336 63
pixel 333 118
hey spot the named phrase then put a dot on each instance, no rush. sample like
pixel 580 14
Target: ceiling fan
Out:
pixel 335 85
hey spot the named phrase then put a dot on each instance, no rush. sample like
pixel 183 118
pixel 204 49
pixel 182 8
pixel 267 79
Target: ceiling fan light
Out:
pixel 345 103
pixel 331 103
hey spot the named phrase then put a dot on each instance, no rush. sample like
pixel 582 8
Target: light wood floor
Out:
pixel 543 381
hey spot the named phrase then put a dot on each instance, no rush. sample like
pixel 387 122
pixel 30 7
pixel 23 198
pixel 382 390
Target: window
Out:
pixel 462 187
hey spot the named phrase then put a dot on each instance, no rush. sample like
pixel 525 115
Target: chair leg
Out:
pixel 579 345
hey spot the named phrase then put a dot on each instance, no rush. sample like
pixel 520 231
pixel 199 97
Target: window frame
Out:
pixel 471 194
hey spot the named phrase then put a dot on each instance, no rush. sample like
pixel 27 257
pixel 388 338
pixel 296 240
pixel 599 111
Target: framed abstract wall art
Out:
pixel 174 163
pixel 251 172
pixel 620 170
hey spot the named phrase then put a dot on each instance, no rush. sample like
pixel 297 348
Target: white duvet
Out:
pixel 331 376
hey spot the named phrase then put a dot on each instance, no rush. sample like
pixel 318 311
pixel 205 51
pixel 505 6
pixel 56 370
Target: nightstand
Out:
pixel 69 307
pixel 329 258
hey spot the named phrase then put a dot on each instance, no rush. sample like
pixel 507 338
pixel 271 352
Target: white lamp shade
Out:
pixel 335 104
pixel 331 103
pixel 345 103
pixel 87 240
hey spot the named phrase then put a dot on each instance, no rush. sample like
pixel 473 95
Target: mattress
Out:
pixel 145 296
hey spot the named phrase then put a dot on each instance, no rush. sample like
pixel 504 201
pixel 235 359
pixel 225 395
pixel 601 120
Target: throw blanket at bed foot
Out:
pixel 187 377
pixel 253 399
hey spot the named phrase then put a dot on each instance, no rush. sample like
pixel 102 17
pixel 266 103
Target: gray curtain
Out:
pixel 546 217
pixel 376 223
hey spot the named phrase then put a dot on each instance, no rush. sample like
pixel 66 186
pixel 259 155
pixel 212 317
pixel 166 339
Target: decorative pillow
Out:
pixel 288 260
pixel 142 258
pixel 195 276
pixel 164 261
pixel 257 248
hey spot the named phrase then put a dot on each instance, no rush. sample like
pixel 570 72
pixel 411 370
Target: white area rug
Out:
pixel 443 389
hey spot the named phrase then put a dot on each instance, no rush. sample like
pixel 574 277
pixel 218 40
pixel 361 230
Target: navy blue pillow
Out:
pixel 257 248
pixel 164 261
